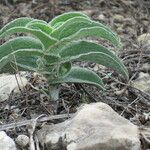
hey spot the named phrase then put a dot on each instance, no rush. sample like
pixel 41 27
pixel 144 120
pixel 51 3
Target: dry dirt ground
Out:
pixel 131 103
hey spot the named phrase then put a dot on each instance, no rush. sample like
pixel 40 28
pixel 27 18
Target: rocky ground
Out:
pixel 130 99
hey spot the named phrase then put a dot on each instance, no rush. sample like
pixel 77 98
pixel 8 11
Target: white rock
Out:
pixel 22 140
pixel 6 143
pixel 95 126
pixel 8 83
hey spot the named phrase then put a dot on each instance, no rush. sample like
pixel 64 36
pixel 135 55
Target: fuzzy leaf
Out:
pixel 97 32
pixel 57 25
pixel 19 43
pixel 64 17
pixel 75 24
pixel 44 38
pixel 64 68
pixel 20 60
pixel 27 60
pixel 43 27
pixel 36 21
pixel 20 22
pixel 88 51
pixel 79 75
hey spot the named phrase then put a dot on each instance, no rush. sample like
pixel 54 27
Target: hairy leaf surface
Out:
pixel 75 24
pixel 20 60
pixel 43 27
pixel 80 75
pixel 92 52
pixel 20 22
pixel 64 17
pixel 19 43
pixel 44 38
pixel 96 32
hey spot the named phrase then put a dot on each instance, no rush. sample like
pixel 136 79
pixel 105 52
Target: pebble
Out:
pixel 118 18
pixel 22 140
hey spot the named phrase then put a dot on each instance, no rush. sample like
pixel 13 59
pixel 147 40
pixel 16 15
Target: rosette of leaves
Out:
pixel 50 48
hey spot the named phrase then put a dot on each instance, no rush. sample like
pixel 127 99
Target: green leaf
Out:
pixel 43 27
pixel 65 16
pixel 79 75
pixel 20 60
pixel 36 21
pixel 88 51
pixel 22 50
pixel 75 24
pixel 64 68
pixel 20 22
pixel 97 32
pixel 26 60
pixel 70 27
pixel 57 25
pixel 43 37
pixel 19 43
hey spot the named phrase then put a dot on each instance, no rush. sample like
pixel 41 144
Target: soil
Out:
pixel 131 103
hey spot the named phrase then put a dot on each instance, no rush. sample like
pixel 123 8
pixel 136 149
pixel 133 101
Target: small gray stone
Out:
pixel 118 18
pixel 101 17
pixel 89 12
pixel 22 140
pixel 120 30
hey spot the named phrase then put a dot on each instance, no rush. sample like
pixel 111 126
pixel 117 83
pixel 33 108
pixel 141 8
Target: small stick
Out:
pixel 31 129
pixel 136 100
pixel 37 142
pixel 27 122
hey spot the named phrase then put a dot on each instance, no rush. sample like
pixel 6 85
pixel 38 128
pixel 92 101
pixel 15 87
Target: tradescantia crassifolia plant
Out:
pixel 50 48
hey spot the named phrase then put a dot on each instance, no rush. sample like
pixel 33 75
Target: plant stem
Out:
pixel 54 92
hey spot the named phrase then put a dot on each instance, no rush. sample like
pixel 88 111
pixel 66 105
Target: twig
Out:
pixel 130 80
pixel 36 142
pixel 27 122
pixel 138 92
pixel 18 83
pixel 65 107
pixel 31 129
pixel 136 100
pixel 145 141
pixel 90 96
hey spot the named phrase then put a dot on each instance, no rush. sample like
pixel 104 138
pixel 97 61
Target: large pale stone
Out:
pixel 95 127
pixel 8 83
pixel 6 143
